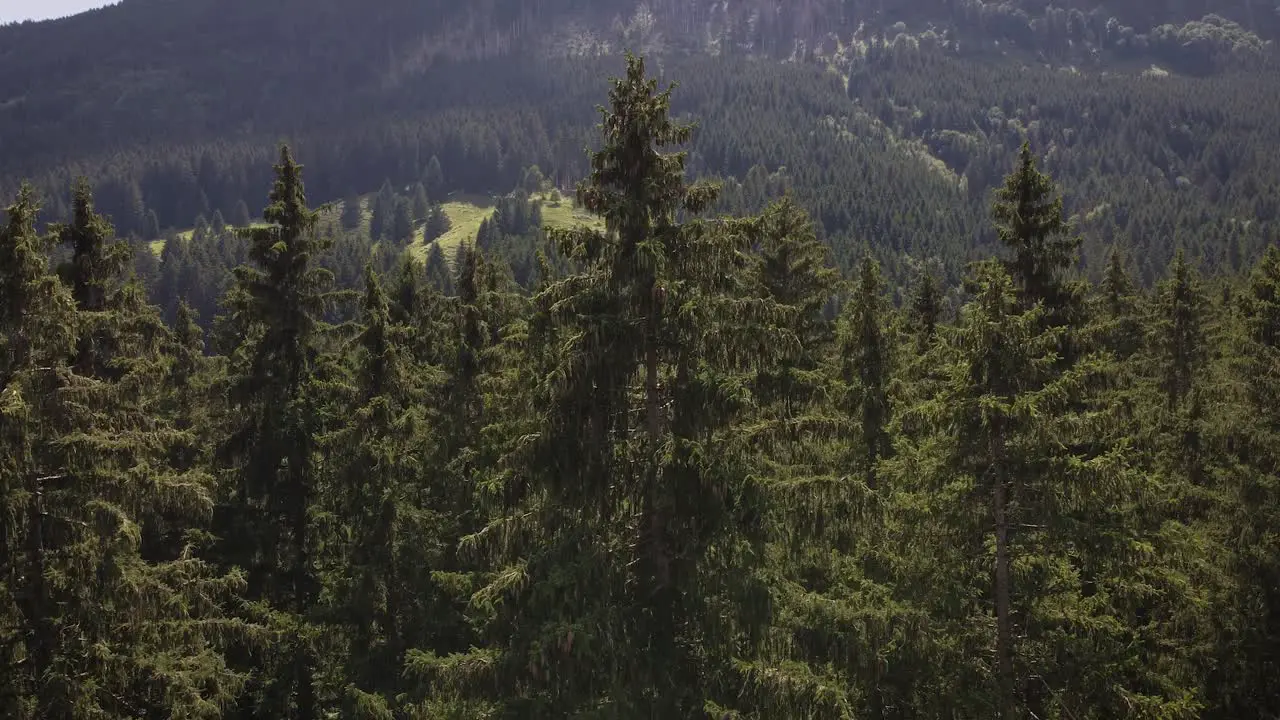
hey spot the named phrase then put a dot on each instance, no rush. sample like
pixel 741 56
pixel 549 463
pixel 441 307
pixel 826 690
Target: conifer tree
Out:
pixel 94 272
pixel 1177 331
pixel 104 632
pixel 433 178
pixel 1119 309
pixel 437 224
pixel 352 212
pixel 1250 652
pixel 402 225
pixel 1030 222
pixel 795 273
pixel 382 213
pixel 379 592
pixel 421 202
pixel 612 587
pixel 437 270
pixel 925 309
pixel 866 367
pixel 277 307
pixel 240 216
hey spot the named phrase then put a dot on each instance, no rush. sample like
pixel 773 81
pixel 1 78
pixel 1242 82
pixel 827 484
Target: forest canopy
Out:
pixel 684 460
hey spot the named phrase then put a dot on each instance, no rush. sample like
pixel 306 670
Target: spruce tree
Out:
pixel 1177 330
pixel 925 309
pixel 94 271
pixel 1119 309
pixel 108 627
pixel 277 308
pixel 402 225
pixel 626 588
pixel 1030 222
pixel 437 270
pixel 437 224
pixel 382 213
pixel 352 212
pixel 867 367
pixel 433 178
pixel 421 202
pixel 1249 652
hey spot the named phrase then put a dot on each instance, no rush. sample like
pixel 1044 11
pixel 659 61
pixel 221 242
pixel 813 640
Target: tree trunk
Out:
pixel 1004 628
pixel 41 631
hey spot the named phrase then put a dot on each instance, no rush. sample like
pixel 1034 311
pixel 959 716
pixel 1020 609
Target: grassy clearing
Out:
pixel 157 246
pixel 566 213
pixel 465 213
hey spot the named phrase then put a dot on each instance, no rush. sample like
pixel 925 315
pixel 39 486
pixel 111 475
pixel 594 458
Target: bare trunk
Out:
pixel 1004 628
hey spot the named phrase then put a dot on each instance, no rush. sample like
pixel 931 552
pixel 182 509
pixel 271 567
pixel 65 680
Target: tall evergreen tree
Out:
pixel 1030 222
pixel 352 212
pixel 103 632
pixel 94 272
pixel 1177 331
pixel 433 178
pixel 421 202
pixel 866 366
pixel 402 225
pixel 638 620
pixel 277 307
pixel 1250 649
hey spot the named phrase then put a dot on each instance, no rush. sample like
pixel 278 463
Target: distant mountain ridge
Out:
pixel 892 118
pixel 221 67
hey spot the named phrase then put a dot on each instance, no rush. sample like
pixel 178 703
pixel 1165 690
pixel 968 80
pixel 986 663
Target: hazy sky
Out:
pixel 17 10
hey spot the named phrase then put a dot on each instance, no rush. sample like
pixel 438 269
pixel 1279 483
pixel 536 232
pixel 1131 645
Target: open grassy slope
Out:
pixel 465 213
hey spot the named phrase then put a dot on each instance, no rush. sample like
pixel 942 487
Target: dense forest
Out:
pixel 890 123
pixel 692 461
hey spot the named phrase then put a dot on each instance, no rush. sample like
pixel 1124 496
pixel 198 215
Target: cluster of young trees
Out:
pixel 691 472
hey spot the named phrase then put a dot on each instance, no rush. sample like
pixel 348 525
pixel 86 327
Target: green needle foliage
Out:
pixel 663 465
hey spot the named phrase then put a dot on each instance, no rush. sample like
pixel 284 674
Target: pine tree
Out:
pixel 277 307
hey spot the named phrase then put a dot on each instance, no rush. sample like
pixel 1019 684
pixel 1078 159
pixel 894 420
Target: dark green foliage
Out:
pixel 352 212
pixel 277 309
pixel 98 622
pixel 437 224
pixel 402 225
pixel 421 203
pixel 665 466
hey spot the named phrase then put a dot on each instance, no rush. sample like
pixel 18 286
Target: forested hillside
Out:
pixel 1158 116
pixel 673 464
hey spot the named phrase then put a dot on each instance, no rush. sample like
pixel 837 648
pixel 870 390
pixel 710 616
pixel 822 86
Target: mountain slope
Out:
pixel 172 108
